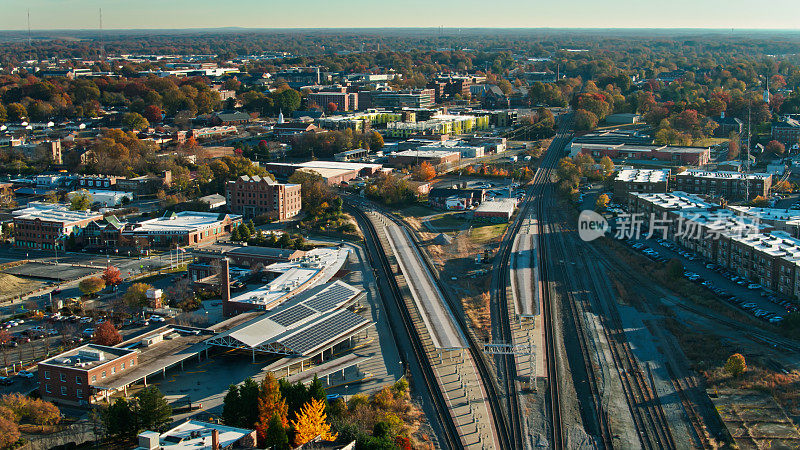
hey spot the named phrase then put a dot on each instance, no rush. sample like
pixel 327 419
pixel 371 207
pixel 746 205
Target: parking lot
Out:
pixel 729 287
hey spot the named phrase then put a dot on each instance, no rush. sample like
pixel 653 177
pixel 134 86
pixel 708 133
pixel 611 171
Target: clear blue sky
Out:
pixel 119 14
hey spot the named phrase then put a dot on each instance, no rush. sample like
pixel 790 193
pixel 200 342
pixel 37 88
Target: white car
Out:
pixel 157 319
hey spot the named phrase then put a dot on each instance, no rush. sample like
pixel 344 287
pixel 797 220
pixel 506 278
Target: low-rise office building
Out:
pixel 180 228
pixel 415 157
pixel 70 378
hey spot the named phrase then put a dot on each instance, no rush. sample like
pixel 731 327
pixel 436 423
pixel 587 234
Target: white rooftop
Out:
pixel 698 173
pixel 642 175
pixel 317 266
pixel 506 205
pixel 673 200
pixel 426 153
pixel 54 213
pixel 771 214
pixel 181 222
pixel 194 434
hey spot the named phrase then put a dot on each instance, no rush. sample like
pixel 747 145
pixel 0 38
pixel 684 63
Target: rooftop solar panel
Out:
pixel 323 332
pixel 292 315
pixel 329 298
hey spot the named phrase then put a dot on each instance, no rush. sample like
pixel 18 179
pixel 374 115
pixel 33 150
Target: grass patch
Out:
pixel 484 234
pixel 448 223
pixel 708 142
pixel 417 211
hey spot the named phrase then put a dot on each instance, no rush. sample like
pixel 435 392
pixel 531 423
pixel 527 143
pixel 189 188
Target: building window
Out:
pixel 46 374
pixel 79 393
pixel 63 390
pixel 94 377
pixel 104 374
pixel 47 388
pixel 63 378
pixel 114 370
pixel 77 380
pixel 123 366
pixel 131 362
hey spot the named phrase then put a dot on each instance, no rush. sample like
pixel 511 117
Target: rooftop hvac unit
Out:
pixel 90 353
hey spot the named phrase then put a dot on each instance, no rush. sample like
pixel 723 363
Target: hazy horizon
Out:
pixel 79 15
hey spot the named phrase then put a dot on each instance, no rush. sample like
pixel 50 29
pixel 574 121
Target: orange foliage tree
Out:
pixel 112 276
pixel 311 423
pixel 270 403
pixel 424 172
pixel 106 334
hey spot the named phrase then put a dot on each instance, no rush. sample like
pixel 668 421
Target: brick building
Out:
pixel 344 101
pixel 253 196
pixel 729 185
pixel 786 131
pixel 179 228
pixel 640 180
pixel 46 227
pixel 70 378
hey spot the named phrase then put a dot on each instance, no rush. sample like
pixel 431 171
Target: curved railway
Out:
pixel 451 435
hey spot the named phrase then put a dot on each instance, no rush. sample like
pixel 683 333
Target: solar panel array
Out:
pixel 322 332
pixel 329 298
pixel 292 315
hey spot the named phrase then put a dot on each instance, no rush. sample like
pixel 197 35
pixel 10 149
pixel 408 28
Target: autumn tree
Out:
pixel 424 172
pixel 375 140
pixel 310 423
pixel 136 295
pixel 736 365
pixel 332 107
pixel 602 202
pixel 80 201
pixel 270 404
pixel 585 120
pixel 92 285
pixel 775 148
pixel 43 413
pixel 606 165
pixel 9 432
pixel 106 334
pixel 112 276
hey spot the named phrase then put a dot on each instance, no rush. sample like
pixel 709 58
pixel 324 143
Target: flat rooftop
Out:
pixel 181 222
pixel 774 214
pixel 642 175
pixel 426 153
pixel 87 356
pixel 194 434
pixel 506 205
pixel 317 266
pixel 674 200
pixel 55 214
pixel 724 175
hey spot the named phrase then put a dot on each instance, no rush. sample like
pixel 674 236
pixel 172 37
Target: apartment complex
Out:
pixel 253 196
pixel 412 98
pixel 46 227
pixel 746 246
pixel 629 179
pixel 438 124
pixel 76 376
pixel 728 185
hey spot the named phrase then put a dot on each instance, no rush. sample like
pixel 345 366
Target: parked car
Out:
pixel 6 381
pixel 25 374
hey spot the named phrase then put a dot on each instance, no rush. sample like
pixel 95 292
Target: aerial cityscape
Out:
pixel 377 230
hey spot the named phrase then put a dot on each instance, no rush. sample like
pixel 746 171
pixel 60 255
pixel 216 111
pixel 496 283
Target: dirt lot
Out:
pixel 468 241
pixel 13 286
pixel 755 420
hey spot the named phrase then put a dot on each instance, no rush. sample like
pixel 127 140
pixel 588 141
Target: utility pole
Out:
pixel 102 48
pixel 30 43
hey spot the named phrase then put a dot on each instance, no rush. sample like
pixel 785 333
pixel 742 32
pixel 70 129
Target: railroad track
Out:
pixel 451 435
pixel 644 405
pixel 499 416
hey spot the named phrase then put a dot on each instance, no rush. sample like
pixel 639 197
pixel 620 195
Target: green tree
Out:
pixel 674 268
pixel 248 392
pixel 235 235
pixel 276 437
pixel 15 112
pixel 134 121
pixel 119 419
pixel 81 200
pixel 153 411
pixel 231 407
pixel 136 295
